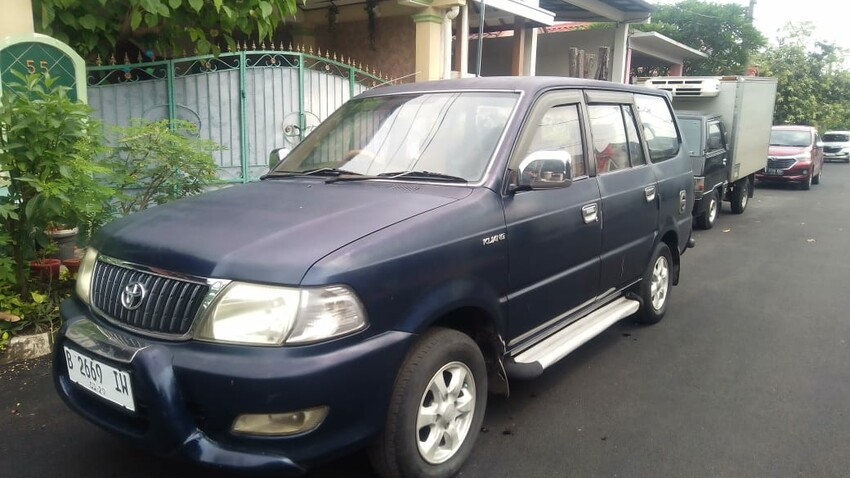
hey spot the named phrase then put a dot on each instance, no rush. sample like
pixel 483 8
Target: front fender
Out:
pixel 450 296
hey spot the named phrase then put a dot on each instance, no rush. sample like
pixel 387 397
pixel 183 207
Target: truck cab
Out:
pixel 705 138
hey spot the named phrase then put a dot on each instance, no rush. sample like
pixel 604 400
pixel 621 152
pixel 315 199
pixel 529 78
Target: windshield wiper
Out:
pixel 308 172
pixel 423 175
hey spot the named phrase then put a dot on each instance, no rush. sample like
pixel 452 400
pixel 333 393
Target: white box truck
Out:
pixel 726 124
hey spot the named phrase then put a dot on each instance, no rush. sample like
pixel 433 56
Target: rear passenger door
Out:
pixel 553 233
pixel 628 188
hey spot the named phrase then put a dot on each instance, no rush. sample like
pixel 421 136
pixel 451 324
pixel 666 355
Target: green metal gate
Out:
pixel 249 101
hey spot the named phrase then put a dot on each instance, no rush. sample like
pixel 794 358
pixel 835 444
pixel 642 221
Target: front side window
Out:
pixel 659 127
pixel 715 137
pixel 451 133
pixel 558 130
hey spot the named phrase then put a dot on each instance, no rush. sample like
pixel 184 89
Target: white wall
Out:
pixel 552 51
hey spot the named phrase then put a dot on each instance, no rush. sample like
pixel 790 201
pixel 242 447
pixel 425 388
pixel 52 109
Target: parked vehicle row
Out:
pixel 726 122
pixel 424 246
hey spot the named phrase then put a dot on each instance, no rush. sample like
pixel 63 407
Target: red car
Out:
pixel 795 155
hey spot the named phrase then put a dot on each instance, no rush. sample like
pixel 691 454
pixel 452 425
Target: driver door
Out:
pixel 554 232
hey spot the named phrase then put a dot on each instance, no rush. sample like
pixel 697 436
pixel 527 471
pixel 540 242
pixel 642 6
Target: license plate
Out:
pixel 101 379
pixel 774 172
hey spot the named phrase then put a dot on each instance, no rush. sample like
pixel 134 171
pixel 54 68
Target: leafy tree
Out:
pixel 163 26
pixel 722 31
pixel 813 86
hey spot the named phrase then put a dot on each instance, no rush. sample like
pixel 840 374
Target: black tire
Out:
pixel 708 217
pixel 807 184
pixel 816 179
pixel 396 452
pixel 740 196
pixel 652 311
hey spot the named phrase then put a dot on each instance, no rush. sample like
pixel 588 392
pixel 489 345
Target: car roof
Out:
pixel 526 84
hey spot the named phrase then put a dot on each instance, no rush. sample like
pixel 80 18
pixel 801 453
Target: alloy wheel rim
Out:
pixel 445 413
pixel 659 283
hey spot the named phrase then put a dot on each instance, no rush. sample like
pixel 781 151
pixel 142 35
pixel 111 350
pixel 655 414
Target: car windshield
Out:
pixel 836 138
pixel 692 131
pixel 788 137
pixel 450 134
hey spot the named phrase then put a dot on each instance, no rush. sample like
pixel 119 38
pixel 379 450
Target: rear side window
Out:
pixel 659 128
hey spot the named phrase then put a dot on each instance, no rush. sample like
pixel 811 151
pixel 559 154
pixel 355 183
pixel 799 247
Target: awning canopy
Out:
pixel 653 45
pixel 623 11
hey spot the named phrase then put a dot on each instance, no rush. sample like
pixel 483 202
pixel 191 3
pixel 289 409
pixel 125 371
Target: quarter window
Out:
pixel 659 128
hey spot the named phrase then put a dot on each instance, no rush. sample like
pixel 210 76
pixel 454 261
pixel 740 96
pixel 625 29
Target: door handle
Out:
pixel 590 212
pixel 650 193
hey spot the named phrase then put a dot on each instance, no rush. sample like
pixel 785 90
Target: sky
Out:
pixel 830 23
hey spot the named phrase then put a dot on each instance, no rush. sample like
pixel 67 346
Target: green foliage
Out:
pixel 813 87
pixel 165 26
pixel 51 176
pixel 156 162
pixel 720 30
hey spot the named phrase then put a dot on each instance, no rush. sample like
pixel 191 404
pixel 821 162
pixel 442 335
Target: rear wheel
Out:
pixel 740 196
pixel 707 218
pixel 655 286
pixel 436 409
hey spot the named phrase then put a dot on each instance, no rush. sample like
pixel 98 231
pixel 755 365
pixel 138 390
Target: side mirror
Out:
pixel 277 156
pixel 545 170
pixel 819 144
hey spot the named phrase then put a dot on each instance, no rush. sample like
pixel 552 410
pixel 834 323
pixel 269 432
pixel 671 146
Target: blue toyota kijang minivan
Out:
pixel 422 247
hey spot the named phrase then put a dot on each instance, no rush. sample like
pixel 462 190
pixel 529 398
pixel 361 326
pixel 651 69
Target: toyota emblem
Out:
pixel 133 295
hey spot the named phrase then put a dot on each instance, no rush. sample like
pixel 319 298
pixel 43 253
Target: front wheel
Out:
pixel 807 183
pixel 708 217
pixel 655 286
pixel 436 408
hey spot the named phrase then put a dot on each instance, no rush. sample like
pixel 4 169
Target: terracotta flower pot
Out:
pixel 73 265
pixel 46 268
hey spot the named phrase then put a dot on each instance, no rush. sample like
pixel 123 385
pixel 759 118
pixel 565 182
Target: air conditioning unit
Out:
pixel 686 87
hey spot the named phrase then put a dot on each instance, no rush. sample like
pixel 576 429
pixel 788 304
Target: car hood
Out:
pixel 837 144
pixel 271 231
pixel 786 150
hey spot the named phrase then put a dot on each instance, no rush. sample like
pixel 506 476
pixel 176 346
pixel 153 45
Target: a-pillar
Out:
pixel 619 74
pixel 16 18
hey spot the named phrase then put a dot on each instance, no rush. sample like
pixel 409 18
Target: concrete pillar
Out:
pixel 530 52
pixel 619 74
pixel 461 63
pixel 518 64
pixel 16 18
pixel 676 69
pixel 429 43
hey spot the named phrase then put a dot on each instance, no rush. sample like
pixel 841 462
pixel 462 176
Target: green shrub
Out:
pixel 153 163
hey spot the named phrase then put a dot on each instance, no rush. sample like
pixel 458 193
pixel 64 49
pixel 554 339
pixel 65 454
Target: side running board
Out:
pixel 533 361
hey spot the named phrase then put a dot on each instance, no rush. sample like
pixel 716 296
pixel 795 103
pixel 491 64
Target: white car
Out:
pixel 836 146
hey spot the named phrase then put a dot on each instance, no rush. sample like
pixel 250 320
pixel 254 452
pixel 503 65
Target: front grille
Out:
pixel 831 149
pixel 773 163
pixel 169 305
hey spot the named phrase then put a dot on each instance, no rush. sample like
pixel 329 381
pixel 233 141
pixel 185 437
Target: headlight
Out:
pixel 84 275
pixel 270 315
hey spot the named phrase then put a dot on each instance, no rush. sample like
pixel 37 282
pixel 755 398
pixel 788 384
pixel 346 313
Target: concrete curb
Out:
pixel 26 347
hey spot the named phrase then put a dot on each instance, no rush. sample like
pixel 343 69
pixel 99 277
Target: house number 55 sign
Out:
pixel 42 54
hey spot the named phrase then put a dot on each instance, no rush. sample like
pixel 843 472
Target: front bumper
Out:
pixel 836 156
pixel 189 393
